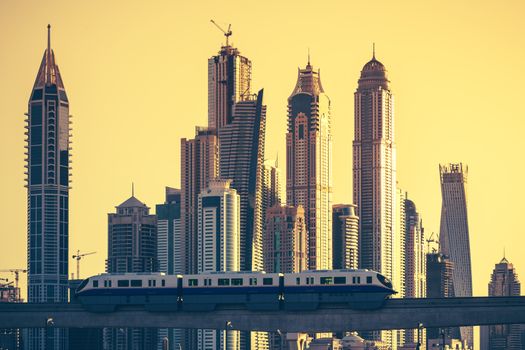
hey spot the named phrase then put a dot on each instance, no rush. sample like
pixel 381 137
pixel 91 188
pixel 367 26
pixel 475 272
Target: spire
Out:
pixel 308 56
pixel 132 189
pixel 373 51
pixel 49 37
pixel 48 73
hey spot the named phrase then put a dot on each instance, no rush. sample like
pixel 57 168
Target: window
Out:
pixel 236 281
pixel 326 280
pixel 95 284
pixel 253 281
pixel 267 281
pixel 163 283
pixel 109 283
pixel 207 281
pixel 193 282
pixel 123 283
pixel 309 280
pixel 224 281
pixel 136 283
pixel 339 280
pixel 368 279
pixel 105 283
pixel 298 280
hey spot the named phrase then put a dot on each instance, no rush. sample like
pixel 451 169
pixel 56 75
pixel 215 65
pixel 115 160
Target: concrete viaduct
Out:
pixel 396 314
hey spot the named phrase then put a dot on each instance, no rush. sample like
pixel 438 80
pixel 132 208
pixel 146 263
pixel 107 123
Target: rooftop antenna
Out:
pixel 132 189
pixel 48 37
pixel 374 51
pixel 226 33
pixel 308 56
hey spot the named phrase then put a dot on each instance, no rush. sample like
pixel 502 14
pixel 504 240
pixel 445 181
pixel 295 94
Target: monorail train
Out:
pixel 307 290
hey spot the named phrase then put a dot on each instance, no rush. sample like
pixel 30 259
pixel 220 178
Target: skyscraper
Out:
pixel 229 81
pixel 170 253
pixel 503 282
pixel 309 163
pixel 374 171
pixel 284 244
pixel 241 160
pixel 345 236
pixel 47 185
pixel 132 247
pixel 218 248
pixel 199 164
pixel 454 232
pixel 272 185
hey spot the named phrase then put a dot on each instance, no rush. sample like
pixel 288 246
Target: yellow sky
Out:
pixel 136 76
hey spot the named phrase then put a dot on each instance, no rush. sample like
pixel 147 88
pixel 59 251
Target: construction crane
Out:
pixel 16 272
pixel 226 33
pixel 432 240
pixel 79 256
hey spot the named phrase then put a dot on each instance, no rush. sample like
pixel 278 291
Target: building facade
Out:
pixel 503 283
pixel 229 81
pixel 345 236
pixel 241 154
pixel 199 164
pixel 170 253
pixel 284 244
pixel 454 237
pixel 218 248
pixel 374 172
pixel 309 163
pixel 47 182
pixel 132 247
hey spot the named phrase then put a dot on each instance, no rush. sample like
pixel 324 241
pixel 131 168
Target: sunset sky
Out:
pixel 136 76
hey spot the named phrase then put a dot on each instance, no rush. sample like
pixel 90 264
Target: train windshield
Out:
pixel 82 285
pixel 385 281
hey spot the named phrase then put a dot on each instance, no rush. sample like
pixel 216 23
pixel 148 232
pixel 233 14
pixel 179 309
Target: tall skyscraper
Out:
pixel 229 81
pixel 345 236
pixel 272 184
pixel 199 164
pixel 284 247
pixel 241 154
pixel 503 282
pixel 132 247
pixel 374 171
pixel 309 163
pixel 218 248
pixel 170 253
pixel 454 232
pixel 47 183
pixel 415 262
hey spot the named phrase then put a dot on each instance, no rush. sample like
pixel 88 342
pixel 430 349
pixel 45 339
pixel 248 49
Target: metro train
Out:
pixel 307 290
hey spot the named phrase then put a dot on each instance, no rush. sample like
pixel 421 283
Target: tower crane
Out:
pixel 79 256
pixel 432 240
pixel 16 272
pixel 226 33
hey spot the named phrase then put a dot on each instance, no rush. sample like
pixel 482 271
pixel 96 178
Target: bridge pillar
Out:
pixel 297 341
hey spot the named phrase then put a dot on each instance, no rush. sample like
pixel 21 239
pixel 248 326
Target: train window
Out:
pixel 105 283
pixel 193 282
pixel 95 284
pixel 154 283
pixel 267 281
pixel 163 283
pixel 253 281
pixel 236 281
pixel 109 283
pixel 123 283
pixel 339 280
pixel 207 281
pixel 309 280
pixel 224 281
pixel 136 283
pixel 368 279
pixel 298 280
pixel 327 280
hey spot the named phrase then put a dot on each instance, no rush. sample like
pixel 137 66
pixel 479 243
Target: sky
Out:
pixel 136 77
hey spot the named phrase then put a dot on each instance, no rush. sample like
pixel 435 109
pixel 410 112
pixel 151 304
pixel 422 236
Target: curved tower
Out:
pixel 309 163
pixel 48 194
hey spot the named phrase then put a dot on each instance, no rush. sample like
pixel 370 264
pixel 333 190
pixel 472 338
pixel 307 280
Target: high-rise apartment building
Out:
pixel 503 283
pixel 241 160
pixel 345 236
pixel 229 81
pixel 309 163
pixel 272 185
pixel 199 164
pixel 170 253
pixel 454 232
pixel 284 243
pixel 374 172
pixel 218 248
pixel 47 183
pixel 132 247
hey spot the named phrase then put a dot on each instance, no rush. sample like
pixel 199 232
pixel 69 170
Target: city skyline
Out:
pixel 146 191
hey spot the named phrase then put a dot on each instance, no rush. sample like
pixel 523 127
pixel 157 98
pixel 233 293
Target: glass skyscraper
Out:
pixel 48 174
